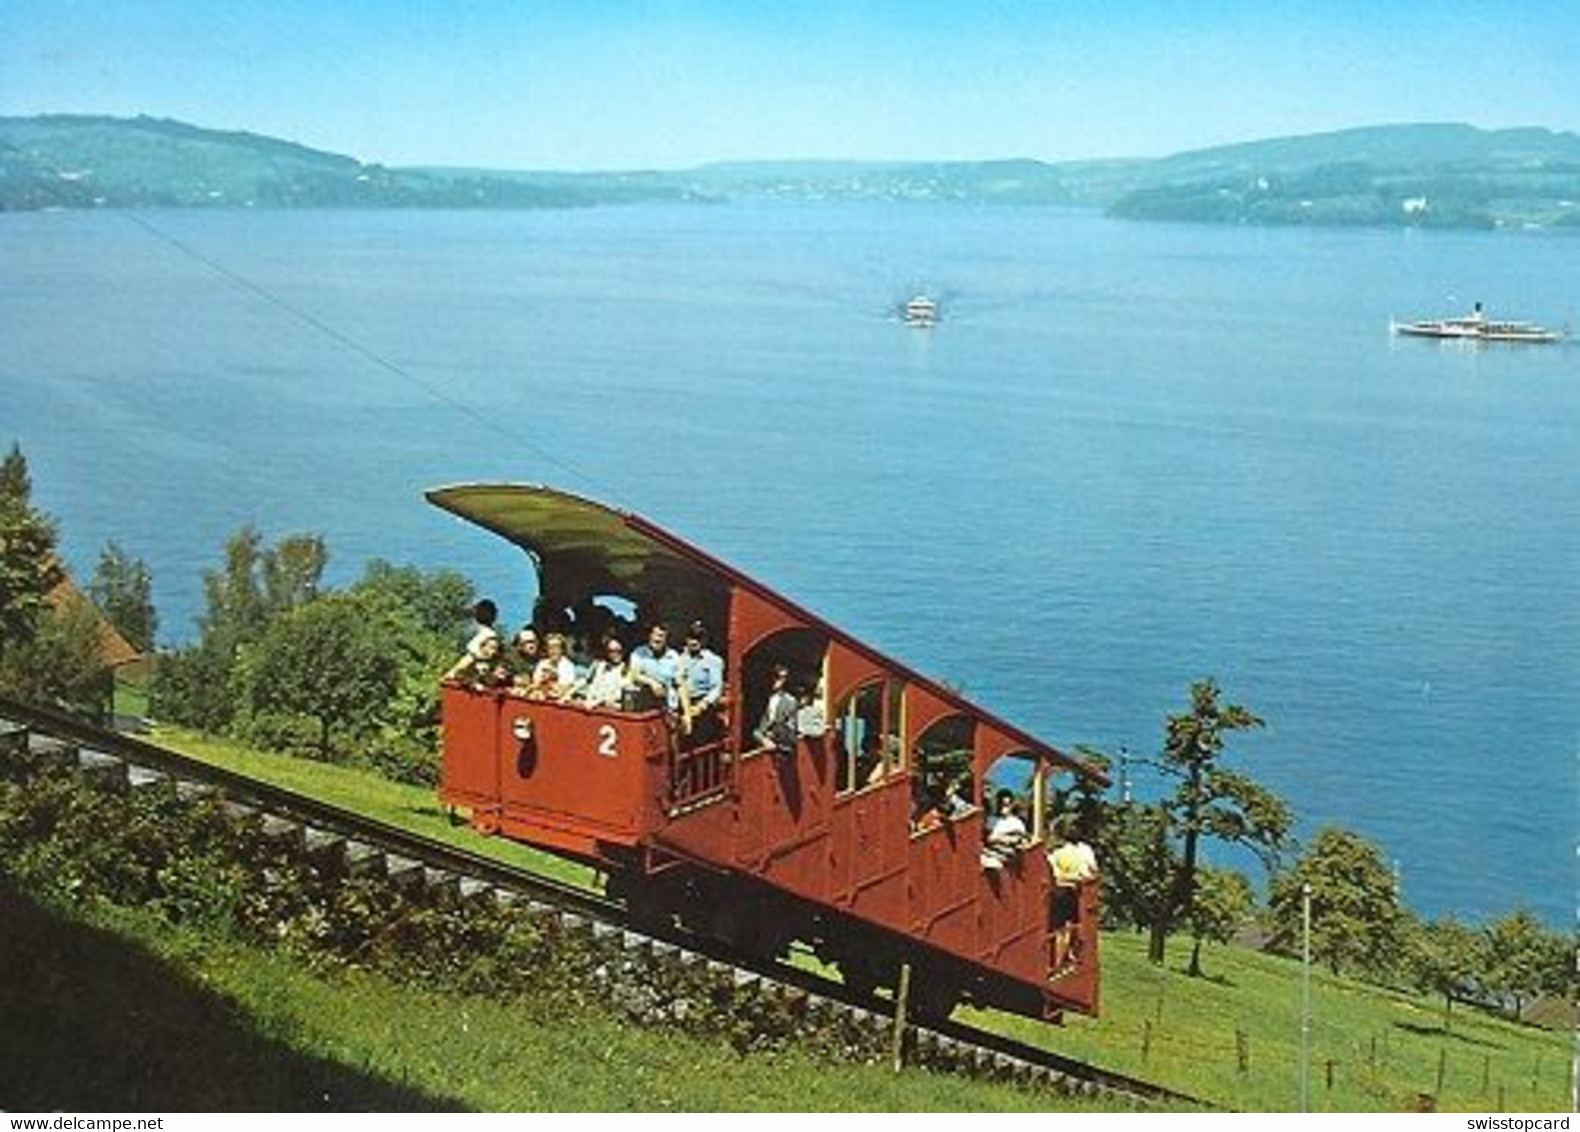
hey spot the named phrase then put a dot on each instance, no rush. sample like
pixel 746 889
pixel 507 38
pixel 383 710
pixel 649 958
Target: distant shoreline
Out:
pixel 1434 176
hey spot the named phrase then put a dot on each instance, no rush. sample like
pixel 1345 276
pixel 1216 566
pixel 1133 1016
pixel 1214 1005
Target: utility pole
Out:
pixel 1305 998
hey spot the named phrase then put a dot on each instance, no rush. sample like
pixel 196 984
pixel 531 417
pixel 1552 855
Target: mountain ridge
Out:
pixel 1440 174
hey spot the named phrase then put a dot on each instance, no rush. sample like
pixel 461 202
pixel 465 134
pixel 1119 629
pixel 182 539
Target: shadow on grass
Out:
pixel 1436 1031
pixel 92 1023
pixel 1206 977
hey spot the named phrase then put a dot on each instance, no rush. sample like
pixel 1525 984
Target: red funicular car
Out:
pixel 863 834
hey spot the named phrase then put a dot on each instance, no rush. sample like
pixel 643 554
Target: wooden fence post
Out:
pixel 902 998
pixel 1442 1069
pixel 1242 1050
pixel 1146 1039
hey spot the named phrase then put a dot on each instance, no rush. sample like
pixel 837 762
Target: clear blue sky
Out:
pixel 600 84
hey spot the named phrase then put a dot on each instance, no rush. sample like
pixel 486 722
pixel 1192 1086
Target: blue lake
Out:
pixel 1129 456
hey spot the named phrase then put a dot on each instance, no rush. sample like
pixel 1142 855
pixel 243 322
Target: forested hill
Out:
pixel 69 161
pixel 1418 175
pixel 1425 175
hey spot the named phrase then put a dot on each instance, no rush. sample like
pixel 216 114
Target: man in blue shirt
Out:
pixel 699 682
pixel 654 665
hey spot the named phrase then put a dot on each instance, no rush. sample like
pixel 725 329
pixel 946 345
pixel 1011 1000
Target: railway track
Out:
pixel 31 732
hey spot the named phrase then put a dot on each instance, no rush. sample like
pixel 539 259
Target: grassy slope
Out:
pixel 415 809
pixel 1385 1048
pixel 121 1012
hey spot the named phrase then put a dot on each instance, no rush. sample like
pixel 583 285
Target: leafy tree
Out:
pixel 122 588
pixel 1211 800
pixel 62 663
pixel 425 613
pixel 28 567
pixel 328 661
pixel 258 583
pixel 1076 801
pixel 1524 960
pixel 1138 864
pixel 439 602
pixel 236 614
pixel 1445 957
pixel 1224 903
pixel 207 685
pixel 193 686
pixel 47 653
pixel 1356 924
pixel 291 572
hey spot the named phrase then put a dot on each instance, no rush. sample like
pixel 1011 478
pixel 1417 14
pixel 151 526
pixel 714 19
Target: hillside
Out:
pixel 1450 176
pixel 171 1002
pixel 1445 176
pixel 66 161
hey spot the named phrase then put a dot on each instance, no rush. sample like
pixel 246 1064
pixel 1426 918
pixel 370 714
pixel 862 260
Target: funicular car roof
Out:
pixel 625 552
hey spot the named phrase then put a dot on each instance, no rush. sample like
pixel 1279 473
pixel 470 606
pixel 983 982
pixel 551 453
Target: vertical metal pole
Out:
pixel 1305 998
pixel 1574 1068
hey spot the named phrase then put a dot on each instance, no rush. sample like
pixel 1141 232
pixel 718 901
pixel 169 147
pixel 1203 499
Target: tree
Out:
pixel 328 661
pixel 426 613
pixel 1445 957
pixel 290 573
pixel 1356 925
pixel 15 480
pixel 440 602
pixel 1138 864
pixel 193 686
pixel 122 588
pixel 236 614
pixel 28 567
pixel 62 663
pixel 206 685
pixel 1524 960
pixel 1224 902
pixel 1211 801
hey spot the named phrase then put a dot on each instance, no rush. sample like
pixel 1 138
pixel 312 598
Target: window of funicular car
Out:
pixel 1065 800
pixel 867 726
pixel 803 651
pixel 1021 773
pixel 941 756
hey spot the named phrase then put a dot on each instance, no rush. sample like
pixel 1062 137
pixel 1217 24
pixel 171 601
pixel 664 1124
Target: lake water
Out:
pixel 1130 456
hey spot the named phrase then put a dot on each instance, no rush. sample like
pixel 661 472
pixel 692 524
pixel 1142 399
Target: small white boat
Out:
pixel 920 311
pixel 1477 327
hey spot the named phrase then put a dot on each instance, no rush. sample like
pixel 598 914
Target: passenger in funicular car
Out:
pixel 653 668
pixel 481 664
pixel 1006 832
pixel 699 688
pixel 554 676
pixel 609 683
pixel 1073 863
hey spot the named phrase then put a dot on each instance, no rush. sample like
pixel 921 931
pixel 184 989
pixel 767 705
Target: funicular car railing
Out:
pixel 698 774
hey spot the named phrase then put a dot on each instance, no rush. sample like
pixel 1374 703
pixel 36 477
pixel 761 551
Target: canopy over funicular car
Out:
pixel 863 836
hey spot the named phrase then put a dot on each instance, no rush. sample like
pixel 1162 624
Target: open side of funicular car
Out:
pixel 848 838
